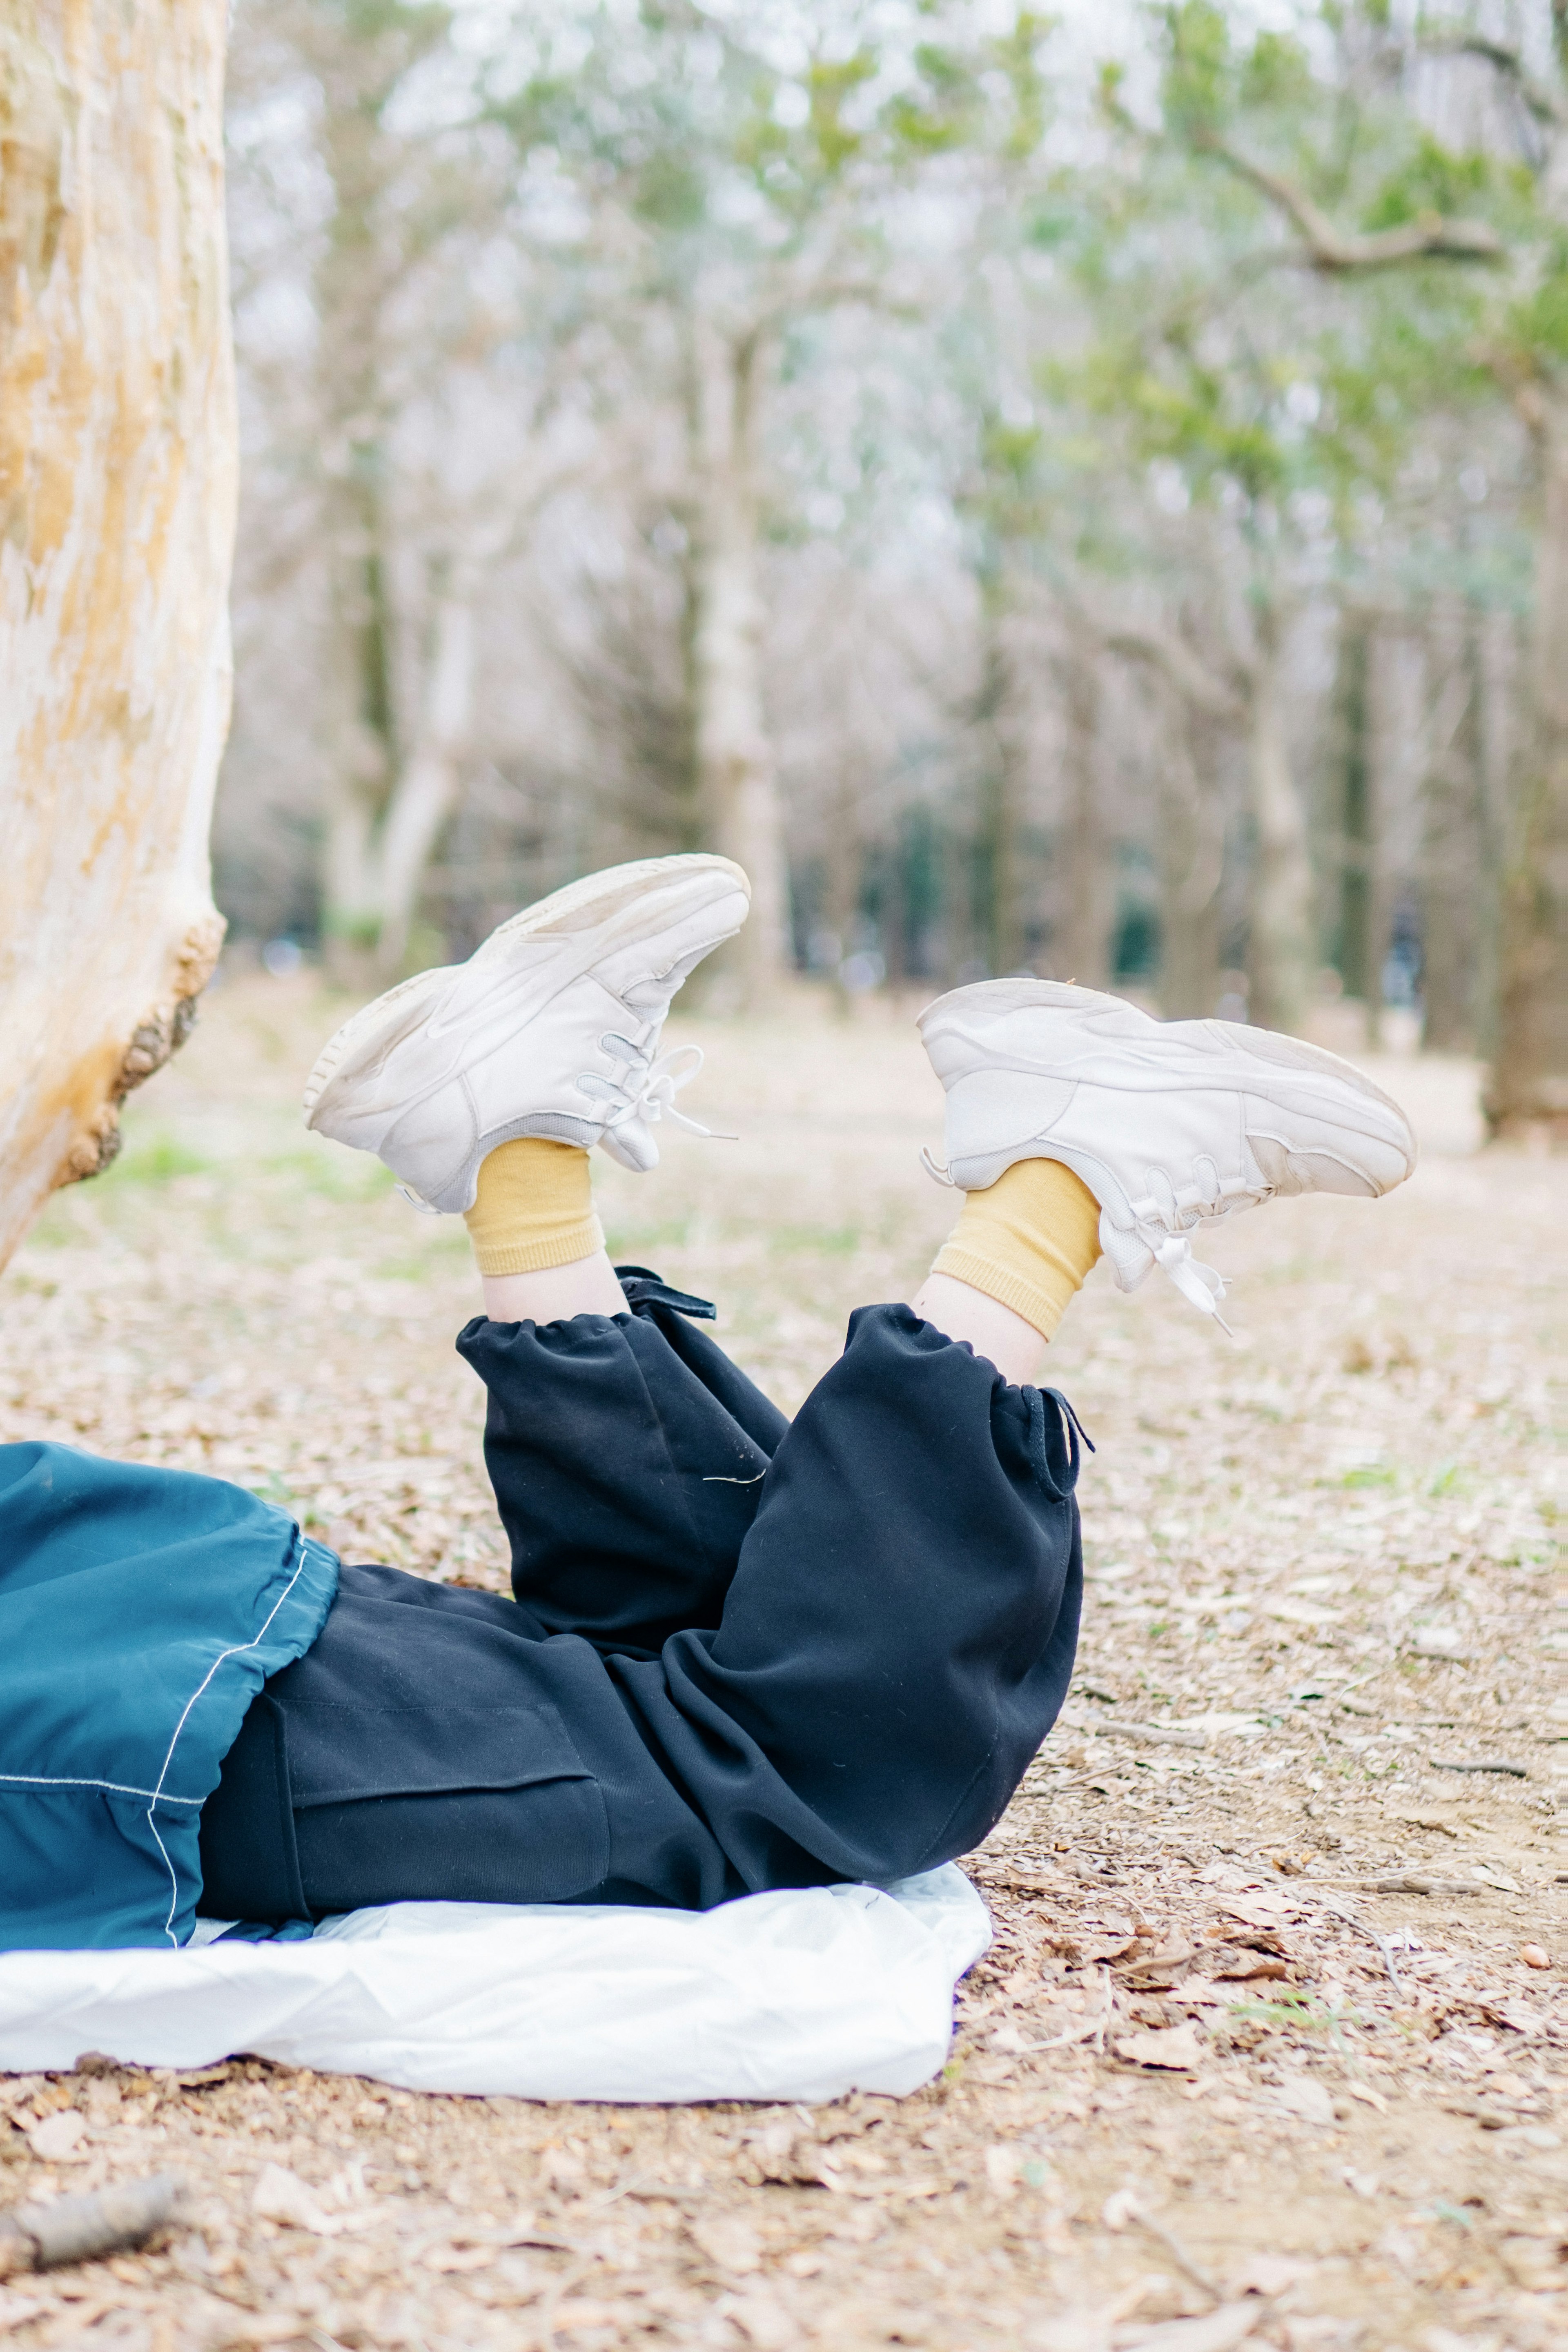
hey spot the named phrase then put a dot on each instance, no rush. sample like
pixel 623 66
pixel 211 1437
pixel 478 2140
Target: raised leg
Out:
pixel 888 1651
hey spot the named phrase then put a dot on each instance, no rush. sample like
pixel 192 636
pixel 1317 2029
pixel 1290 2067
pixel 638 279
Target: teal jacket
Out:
pixel 141 1611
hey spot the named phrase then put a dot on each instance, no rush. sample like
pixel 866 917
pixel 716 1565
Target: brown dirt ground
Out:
pixel 1256 2053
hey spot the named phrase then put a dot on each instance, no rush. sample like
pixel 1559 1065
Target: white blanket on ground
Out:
pixel 803 1994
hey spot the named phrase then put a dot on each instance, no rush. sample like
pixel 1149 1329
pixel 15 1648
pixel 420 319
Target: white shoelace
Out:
pixel 1168 1238
pixel 1173 1253
pixel 1169 1244
pixel 649 1087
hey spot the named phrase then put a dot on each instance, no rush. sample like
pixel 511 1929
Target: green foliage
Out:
pixel 1275 72
pixel 1537 322
pixel 1198 88
pixel 828 87
pixel 941 113
pixel 1430 181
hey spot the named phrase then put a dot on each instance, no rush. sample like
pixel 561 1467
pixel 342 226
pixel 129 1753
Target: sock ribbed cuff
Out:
pixel 1041 1303
pixel 584 1239
pixel 1027 1241
pixel 534 1208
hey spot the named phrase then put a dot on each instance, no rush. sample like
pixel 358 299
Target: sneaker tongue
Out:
pixel 1131 1256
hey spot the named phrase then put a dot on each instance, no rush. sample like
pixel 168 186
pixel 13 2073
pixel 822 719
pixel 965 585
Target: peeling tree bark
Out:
pixel 117 495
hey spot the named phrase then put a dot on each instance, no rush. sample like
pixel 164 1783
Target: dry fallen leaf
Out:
pixel 458 2258
pixel 1306 2098
pixel 280 2195
pixel 727 2241
pixel 1175 2046
pixel 226 2326
pixel 1217 2331
pixel 1269 2275
pixel 54 2139
pixel 765 2322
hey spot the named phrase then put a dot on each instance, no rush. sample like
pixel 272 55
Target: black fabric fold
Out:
pixel 741 1652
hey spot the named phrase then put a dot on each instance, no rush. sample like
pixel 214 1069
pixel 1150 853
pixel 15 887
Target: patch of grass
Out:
pixel 827 1241
pixel 272 1488
pixel 1289 2008
pixel 634 1244
pixel 332 1175
pixel 154 1158
pixel 1371 1474
pixel 419 1267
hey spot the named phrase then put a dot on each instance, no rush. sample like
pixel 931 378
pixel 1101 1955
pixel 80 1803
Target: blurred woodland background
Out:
pixel 1084 494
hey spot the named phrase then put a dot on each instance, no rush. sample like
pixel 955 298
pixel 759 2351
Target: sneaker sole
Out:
pixel 578 906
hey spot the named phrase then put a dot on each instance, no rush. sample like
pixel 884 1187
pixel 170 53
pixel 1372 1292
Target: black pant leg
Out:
pixel 894 1642
pixel 626 1454
pixel 898 1634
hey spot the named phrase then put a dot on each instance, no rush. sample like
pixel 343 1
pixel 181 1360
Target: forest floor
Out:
pixel 1271 2044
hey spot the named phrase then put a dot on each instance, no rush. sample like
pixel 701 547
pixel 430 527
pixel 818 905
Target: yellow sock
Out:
pixel 534 1207
pixel 1027 1241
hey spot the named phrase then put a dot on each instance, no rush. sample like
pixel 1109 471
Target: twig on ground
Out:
pixel 1124 2208
pixel 77 2229
pixel 1384 1946
pixel 553 2301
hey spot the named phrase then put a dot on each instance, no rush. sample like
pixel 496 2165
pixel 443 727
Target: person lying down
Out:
pixel 742 1652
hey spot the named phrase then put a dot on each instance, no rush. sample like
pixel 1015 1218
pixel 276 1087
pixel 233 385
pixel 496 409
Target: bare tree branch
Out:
pixel 1430 236
pixel 1193 679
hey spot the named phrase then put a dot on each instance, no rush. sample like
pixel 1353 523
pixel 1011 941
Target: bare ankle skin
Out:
pixel 993 1330
pixel 586 1287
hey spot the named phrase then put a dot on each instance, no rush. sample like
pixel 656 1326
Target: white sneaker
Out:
pixel 552 1027
pixel 1167 1123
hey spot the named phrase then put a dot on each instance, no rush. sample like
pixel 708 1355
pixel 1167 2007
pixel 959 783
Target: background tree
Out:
pixel 797 425
pixel 1424 210
pixel 756 180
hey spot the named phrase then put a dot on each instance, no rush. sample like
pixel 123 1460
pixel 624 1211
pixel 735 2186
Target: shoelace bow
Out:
pixel 649 1087
pixel 1173 1253
pixel 1168 1238
pixel 1169 1243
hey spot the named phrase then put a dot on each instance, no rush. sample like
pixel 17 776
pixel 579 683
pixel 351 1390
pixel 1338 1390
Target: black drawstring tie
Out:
pixel 645 1289
pixel 1072 1429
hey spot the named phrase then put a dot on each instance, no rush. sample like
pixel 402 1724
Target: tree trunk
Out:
pixel 996 722
pixel 1452 842
pixel 431 778
pixel 1529 1084
pixel 363 749
pixel 117 497
pixel 388 808
pixel 1081 949
pixel 1281 947
pixel 1192 865
pixel 1354 948
pixel 734 755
